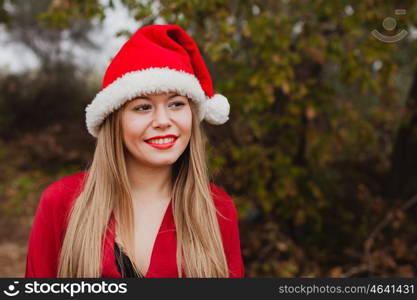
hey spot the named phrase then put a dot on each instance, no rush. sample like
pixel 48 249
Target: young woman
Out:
pixel 145 207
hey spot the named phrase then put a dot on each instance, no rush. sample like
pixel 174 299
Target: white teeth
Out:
pixel 162 141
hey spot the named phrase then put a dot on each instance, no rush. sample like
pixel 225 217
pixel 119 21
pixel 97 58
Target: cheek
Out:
pixel 132 127
pixel 186 122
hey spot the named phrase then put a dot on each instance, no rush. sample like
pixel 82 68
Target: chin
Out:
pixel 163 162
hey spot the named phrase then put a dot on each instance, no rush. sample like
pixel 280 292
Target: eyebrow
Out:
pixel 147 98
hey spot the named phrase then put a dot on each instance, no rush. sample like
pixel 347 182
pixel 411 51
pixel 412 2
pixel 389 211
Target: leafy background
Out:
pixel 319 154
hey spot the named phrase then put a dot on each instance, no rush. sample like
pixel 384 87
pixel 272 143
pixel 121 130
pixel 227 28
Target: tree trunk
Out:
pixel 403 174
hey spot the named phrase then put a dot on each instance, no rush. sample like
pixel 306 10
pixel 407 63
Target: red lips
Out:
pixel 161 137
pixel 162 146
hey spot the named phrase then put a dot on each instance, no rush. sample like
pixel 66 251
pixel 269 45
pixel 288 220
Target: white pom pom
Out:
pixel 216 110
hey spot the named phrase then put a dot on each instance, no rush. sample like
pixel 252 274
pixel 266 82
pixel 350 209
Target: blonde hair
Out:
pixel 106 189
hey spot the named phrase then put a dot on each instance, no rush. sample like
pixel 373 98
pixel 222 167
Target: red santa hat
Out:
pixel 157 58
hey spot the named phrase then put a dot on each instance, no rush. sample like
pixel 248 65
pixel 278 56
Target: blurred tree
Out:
pixel 46 42
pixel 404 159
pixel 4 14
pixel 58 88
pixel 55 94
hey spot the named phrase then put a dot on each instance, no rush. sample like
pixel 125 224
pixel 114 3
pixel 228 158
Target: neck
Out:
pixel 149 183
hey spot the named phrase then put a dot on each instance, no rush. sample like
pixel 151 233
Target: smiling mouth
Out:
pixel 163 141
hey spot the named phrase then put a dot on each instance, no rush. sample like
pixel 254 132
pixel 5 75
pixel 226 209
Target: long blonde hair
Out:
pixel 106 189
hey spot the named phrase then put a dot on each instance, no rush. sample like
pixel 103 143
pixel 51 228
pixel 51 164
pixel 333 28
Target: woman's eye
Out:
pixel 142 107
pixel 146 107
pixel 178 104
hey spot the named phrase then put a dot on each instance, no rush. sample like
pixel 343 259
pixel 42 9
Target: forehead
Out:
pixel 156 96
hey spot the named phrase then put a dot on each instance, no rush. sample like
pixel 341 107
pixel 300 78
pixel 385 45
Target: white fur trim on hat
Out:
pixel 216 110
pixel 152 80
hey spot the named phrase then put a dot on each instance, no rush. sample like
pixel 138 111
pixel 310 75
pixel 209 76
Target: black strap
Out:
pixel 123 263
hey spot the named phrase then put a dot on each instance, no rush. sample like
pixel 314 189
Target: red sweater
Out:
pixel 49 227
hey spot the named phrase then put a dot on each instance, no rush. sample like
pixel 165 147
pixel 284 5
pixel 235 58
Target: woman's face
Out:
pixel 156 128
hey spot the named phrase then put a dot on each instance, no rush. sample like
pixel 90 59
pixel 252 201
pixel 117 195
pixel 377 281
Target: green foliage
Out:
pixel 62 14
pixel 4 13
pixel 16 192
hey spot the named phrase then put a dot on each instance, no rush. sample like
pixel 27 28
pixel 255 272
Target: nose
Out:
pixel 161 118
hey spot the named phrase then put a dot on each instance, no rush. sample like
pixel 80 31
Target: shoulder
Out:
pixel 65 187
pixel 224 203
pixel 59 194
